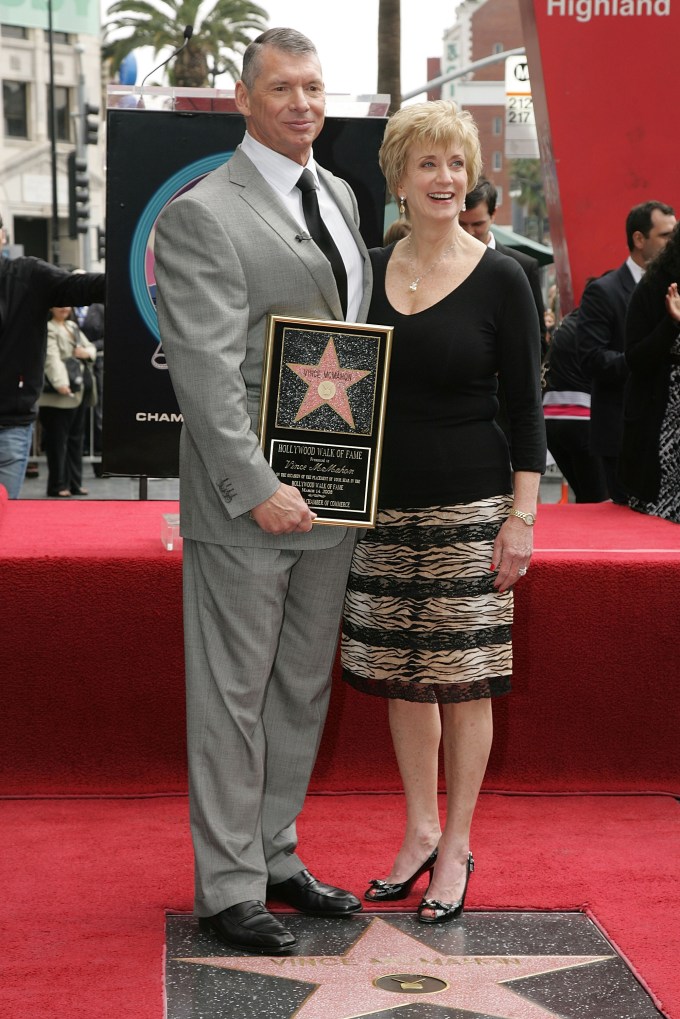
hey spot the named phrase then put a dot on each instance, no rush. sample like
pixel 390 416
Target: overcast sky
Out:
pixel 345 34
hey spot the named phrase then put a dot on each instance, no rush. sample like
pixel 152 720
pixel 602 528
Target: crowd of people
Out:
pixel 425 598
pixel 611 388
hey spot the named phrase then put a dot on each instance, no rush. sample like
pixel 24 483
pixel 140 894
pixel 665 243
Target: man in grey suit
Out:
pixel 263 588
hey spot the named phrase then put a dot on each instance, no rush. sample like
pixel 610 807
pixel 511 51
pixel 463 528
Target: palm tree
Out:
pixel 222 30
pixel 389 51
pixel 526 176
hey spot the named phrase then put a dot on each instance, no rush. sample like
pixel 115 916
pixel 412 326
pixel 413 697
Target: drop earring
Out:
pixel 402 205
pixel 463 207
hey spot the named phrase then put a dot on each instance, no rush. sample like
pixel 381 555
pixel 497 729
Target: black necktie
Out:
pixel 320 234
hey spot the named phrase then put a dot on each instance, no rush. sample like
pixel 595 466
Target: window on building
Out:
pixel 62 38
pixel 15 108
pixel 498 47
pixel 498 161
pixel 13 32
pixel 498 125
pixel 452 51
pixel 499 195
pixel 62 107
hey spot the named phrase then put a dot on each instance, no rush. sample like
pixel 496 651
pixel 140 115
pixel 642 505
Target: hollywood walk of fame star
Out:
pixel 327 383
pixel 346 984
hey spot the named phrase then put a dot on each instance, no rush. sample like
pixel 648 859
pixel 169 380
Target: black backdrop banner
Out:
pixel 153 155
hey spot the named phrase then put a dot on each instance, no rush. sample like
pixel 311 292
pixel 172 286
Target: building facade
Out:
pixel 483 28
pixel 26 156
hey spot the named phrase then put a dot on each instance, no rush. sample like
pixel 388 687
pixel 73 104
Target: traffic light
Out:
pixel 78 196
pixel 90 124
pixel 101 244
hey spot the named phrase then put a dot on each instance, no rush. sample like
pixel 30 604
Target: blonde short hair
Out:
pixel 435 123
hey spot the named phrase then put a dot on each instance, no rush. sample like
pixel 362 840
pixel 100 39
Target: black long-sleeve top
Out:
pixel 650 335
pixel 442 444
pixel 29 287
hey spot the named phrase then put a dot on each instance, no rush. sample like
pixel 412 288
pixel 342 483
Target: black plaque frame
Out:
pixel 324 390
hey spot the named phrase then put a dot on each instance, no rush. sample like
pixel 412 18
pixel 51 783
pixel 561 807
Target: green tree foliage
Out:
pixel 526 177
pixel 222 30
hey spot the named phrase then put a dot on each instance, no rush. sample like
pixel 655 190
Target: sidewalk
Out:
pixel 168 488
pixel 102 488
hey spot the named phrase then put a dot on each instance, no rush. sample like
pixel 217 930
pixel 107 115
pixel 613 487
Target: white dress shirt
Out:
pixel 636 271
pixel 282 174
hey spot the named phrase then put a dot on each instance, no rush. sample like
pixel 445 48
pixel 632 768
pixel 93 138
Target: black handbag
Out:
pixel 74 368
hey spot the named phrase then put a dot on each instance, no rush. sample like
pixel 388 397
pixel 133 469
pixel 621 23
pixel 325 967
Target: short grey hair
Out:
pixel 287 39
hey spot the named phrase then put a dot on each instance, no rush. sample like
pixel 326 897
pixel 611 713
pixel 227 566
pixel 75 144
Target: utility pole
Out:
pixel 53 147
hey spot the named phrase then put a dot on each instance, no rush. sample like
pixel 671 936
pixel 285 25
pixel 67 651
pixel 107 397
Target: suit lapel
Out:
pixel 626 279
pixel 264 202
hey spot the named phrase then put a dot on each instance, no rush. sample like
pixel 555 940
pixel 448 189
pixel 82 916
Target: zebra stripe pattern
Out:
pixel 422 621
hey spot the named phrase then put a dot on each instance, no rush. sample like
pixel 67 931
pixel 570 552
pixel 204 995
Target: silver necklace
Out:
pixel 413 285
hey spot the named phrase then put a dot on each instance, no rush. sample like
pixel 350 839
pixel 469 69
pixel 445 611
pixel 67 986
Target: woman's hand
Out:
pixel 511 553
pixel 673 302
pixel 82 353
pixel 64 390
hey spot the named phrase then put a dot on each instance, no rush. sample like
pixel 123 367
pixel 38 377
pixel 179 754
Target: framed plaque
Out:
pixel 324 388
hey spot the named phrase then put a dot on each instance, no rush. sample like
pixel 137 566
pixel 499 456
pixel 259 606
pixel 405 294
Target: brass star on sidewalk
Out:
pixel 387 969
pixel 327 383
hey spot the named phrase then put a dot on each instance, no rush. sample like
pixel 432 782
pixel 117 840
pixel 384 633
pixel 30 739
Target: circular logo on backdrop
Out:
pixel 142 260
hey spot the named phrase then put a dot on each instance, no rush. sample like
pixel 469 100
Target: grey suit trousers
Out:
pixel 261 628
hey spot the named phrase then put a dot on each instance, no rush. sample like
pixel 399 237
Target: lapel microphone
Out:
pixel 188 32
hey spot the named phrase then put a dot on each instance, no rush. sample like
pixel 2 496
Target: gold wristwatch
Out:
pixel 528 518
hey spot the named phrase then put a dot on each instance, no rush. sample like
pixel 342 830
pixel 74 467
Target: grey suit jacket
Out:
pixel 226 256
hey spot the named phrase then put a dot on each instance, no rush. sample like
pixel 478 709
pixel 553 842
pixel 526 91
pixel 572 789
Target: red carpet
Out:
pixel 91 660
pixel 86 884
pixel 91 663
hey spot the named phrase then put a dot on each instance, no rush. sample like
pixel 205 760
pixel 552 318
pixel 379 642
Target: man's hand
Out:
pixel 284 512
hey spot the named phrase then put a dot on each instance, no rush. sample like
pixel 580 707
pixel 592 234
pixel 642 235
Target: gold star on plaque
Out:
pixel 327 383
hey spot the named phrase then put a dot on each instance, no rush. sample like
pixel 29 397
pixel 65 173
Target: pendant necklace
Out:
pixel 413 285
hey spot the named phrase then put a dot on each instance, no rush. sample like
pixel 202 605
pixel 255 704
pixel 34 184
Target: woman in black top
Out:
pixel 650 454
pixel 429 605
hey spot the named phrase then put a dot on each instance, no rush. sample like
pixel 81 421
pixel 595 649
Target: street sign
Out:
pixel 521 140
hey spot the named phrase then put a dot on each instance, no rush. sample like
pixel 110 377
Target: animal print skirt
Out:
pixel 422 620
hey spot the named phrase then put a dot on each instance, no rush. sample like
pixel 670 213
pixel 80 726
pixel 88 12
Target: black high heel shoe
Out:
pixel 445 911
pixel 385 891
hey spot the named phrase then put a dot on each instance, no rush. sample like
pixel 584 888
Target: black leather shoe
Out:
pixel 250 927
pixel 302 891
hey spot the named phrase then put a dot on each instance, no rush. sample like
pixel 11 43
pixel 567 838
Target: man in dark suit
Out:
pixel 601 332
pixel 477 217
pixel 263 589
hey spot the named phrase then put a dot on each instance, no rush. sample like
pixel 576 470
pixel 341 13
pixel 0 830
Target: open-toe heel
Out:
pixel 442 912
pixel 388 891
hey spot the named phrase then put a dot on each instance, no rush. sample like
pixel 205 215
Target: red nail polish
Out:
pixel 493 566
